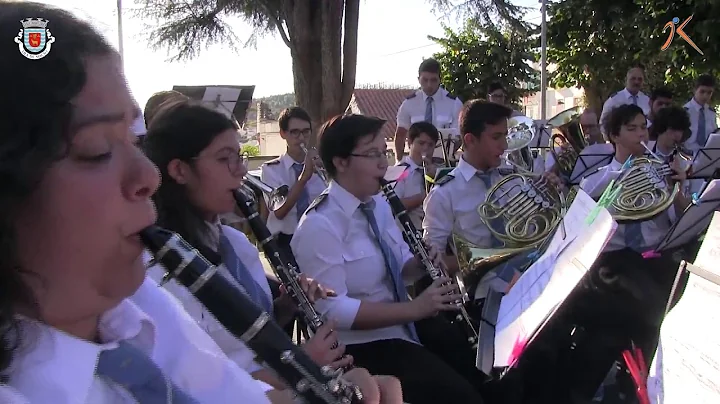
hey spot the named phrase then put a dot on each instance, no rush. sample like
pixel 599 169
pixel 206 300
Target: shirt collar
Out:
pixel 287 161
pixel 410 163
pixel 439 93
pixel 466 170
pixel 696 104
pixel 629 96
pixel 65 364
pixel 347 201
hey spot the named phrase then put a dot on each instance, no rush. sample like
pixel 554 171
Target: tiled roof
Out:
pixel 380 102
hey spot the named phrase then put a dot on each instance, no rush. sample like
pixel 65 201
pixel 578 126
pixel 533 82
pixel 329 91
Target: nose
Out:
pixel 142 178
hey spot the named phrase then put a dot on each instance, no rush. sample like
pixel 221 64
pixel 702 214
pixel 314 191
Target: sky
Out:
pixel 392 43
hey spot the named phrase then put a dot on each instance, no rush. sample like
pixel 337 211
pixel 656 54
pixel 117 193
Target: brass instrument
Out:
pixel 520 135
pixel 275 196
pixel 645 192
pixel 571 139
pixel 319 167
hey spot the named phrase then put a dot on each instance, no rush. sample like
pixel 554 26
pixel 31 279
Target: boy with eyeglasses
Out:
pixel 296 169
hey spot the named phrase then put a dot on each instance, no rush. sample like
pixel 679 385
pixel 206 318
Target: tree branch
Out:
pixel 350 47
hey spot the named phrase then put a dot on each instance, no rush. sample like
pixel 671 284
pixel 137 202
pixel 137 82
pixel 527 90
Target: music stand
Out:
pixel 231 101
pixel 444 150
pixel 591 159
pixel 543 133
pixel 707 159
pixel 694 220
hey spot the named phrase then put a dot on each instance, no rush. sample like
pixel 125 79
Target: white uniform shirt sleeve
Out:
pixel 439 219
pixel 595 184
pixel 403 115
pixel 318 250
pixel 8 395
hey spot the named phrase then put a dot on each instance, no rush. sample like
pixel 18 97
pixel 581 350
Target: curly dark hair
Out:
pixel 672 117
pixel 35 111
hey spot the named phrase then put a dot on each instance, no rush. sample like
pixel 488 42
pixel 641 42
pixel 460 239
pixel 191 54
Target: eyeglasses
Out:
pixel 300 132
pixel 233 161
pixel 372 154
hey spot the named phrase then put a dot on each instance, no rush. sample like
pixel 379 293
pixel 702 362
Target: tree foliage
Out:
pixel 250 150
pixel 593 42
pixel 479 54
pixel 495 13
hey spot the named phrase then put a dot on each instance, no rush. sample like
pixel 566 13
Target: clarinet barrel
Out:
pixel 248 322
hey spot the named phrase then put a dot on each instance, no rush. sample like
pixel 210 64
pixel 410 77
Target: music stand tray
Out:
pixel 707 159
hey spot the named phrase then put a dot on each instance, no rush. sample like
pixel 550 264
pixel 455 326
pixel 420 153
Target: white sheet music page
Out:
pixel 547 282
pixel 686 367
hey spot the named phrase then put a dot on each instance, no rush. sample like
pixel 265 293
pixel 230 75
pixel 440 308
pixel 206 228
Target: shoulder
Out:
pixel 402 164
pixel 272 162
pixel 444 180
pixel 318 202
pixel 237 238
pixel 451 96
pixel 411 96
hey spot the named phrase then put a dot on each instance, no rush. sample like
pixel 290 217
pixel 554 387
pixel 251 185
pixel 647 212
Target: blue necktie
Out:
pixel 498 222
pixel 701 135
pixel 391 264
pixel 241 274
pixel 633 236
pixel 634 99
pixel 304 199
pixel 140 376
pixel 428 109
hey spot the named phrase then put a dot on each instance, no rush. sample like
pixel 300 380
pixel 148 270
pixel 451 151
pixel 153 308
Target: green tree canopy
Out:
pixel 482 53
pixel 593 43
pixel 250 150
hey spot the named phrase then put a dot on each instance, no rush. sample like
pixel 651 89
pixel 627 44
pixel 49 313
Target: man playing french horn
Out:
pixel 626 127
pixel 451 207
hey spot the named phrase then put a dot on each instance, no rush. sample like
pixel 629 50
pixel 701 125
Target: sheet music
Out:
pixel 547 282
pixel 694 220
pixel 686 367
pixel 707 159
pixel 709 254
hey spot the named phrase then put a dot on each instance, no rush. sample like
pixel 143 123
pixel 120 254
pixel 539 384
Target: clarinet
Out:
pixel 415 241
pixel 285 271
pixel 247 321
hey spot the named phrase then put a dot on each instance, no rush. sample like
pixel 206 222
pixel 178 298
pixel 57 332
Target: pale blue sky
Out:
pixel 392 43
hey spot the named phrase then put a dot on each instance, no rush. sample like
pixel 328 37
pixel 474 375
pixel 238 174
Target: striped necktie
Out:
pixel 140 376
pixel 392 266
pixel 635 99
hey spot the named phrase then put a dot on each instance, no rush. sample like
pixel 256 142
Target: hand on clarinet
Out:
pixel 436 256
pixel 321 351
pixel 436 298
pixel 313 290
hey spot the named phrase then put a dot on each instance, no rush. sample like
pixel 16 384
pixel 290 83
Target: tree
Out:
pixel 321 36
pixel 482 53
pixel 250 150
pixel 593 43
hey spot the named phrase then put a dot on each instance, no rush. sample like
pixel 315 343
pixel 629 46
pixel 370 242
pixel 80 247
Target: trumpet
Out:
pixel 319 167
pixel 252 186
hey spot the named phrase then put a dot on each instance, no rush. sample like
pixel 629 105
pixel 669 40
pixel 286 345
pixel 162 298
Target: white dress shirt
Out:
pixel 623 97
pixel 452 208
pixel 236 350
pixel 55 367
pixel 335 245
pixel 412 184
pixel 446 108
pixel 693 108
pixel 280 172
pixel 653 230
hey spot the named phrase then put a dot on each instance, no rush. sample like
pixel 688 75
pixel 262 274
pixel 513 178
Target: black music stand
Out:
pixel 231 101
pixel 590 160
pixel 541 140
pixel 707 159
pixel 694 220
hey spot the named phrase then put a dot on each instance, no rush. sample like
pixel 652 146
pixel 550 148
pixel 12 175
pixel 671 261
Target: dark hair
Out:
pixel 35 116
pixel 475 115
pixel 429 66
pixel 661 92
pixel 160 100
pixel 293 112
pixel 496 85
pixel 181 132
pixel 672 117
pixel 619 116
pixel 339 136
pixel 705 80
pixel 418 128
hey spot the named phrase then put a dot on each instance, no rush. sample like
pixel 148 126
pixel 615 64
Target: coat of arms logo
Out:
pixel 34 39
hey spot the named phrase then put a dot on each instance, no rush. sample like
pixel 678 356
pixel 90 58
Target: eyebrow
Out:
pixel 83 122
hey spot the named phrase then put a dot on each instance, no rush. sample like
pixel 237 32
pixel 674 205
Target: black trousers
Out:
pixel 442 370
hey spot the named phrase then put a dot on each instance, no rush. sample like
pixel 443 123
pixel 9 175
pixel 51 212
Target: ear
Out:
pixel 341 164
pixel 283 135
pixel 468 139
pixel 178 170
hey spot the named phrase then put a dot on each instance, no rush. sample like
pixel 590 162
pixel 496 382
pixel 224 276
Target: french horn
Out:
pixel 645 191
pixel 571 140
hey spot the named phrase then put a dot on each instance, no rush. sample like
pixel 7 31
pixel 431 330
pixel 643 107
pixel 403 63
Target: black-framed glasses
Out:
pixel 234 161
pixel 372 154
pixel 300 132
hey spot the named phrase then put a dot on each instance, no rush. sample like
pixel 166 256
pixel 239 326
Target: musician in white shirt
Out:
pixel 431 103
pixel 626 126
pixel 702 118
pixel 631 94
pixel 347 240
pixel 75 193
pixel 294 169
pixel 660 98
pixel 591 130
pixel 411 186
pixel 498 94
